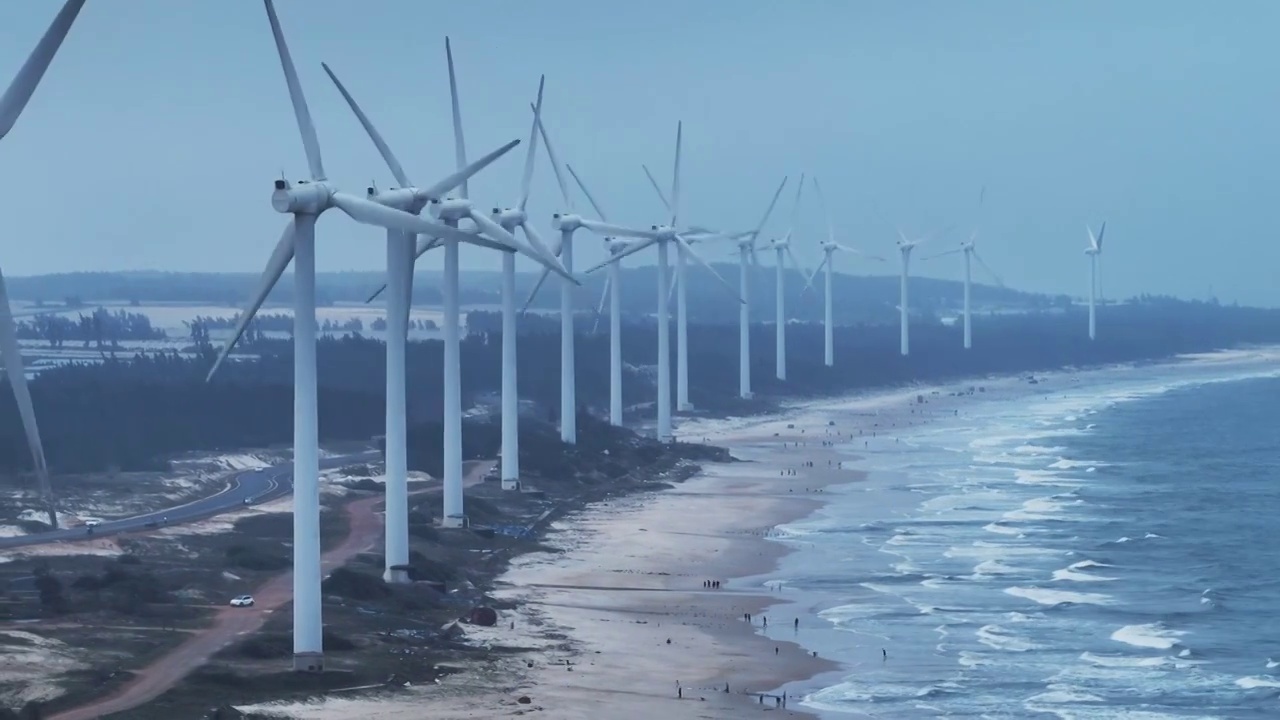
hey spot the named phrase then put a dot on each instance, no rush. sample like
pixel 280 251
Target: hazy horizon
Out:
pixel 153 139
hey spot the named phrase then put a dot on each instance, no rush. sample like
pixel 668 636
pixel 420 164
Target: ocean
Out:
pixel 1104 549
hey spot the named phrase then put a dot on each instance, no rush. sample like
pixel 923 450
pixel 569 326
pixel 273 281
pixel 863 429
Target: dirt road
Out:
pixel 365 530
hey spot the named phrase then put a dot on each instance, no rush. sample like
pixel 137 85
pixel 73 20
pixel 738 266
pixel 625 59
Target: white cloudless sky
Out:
pixel 155 137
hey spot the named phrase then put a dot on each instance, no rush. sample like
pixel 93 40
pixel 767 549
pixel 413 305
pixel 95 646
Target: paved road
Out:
pixel 255 486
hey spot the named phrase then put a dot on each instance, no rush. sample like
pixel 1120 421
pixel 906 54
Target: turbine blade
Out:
pixel 986 267
pixel 795 264
pixel 674 280
pixel 822 203
pixel 631 250
pixel 856 251
pixel 397 171
pixel 496 232
pixel 19 93
pixel 768 211
pixel 941 254
pixel 665 205
pixel 305 127
pixel 535 240
pixel 1101 232
pixel 542 278
pixel 11 355
pixel 795 209
pixel 675 177
pixel 604 295
pixel 684 246
pixel 369 212
pixel 555 164
pixel 607 229
pixel 585 191
pixel 526 181
pixel 443 187
pixel 809 283
pixel 276 265
pixel 459 146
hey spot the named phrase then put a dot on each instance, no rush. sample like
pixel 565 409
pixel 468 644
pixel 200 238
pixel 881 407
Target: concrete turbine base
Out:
pixel 510 484
pixel 454 521
pixel 308 662
pixel 397 575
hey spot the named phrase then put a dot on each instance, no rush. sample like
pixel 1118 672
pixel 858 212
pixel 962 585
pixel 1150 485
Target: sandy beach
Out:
pixel 616 620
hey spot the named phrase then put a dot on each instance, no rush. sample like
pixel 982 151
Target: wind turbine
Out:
pixel 905 247
pixel 829 248
pixel 401 254
pixel 451 211
pixel 692 235
pixel 305 201
pixel 747 260
pixel 613 292
pixel 783 249
pixel 1094 251
pixel 970 254
pixel 511 218
pixel 12 103
pixel 660 235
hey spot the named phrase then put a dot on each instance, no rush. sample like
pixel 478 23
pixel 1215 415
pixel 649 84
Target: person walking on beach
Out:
pixel 797 624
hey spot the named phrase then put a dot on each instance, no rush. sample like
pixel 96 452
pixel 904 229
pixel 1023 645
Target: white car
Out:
pixel 242 601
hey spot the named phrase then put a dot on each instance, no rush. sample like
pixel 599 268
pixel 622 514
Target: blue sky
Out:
pixel 155 136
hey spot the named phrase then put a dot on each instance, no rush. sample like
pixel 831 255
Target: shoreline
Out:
pixel 595 614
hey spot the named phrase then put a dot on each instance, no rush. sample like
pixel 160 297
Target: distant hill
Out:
pixel 858 298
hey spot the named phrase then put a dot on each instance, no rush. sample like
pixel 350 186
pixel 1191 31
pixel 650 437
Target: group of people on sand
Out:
pixel 711 584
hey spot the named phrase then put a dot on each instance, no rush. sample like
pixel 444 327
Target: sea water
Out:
pixel 1107 549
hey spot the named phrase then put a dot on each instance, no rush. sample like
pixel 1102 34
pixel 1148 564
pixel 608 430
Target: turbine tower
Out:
pixel 402 252
pixel 12 103
pixel 305 201
pixel 566 223
pixel 747 260
pixel 905 247
pixel 783 249
pixel 510 219
pixel 613 293
pixel 829 248
pixel 451 211
pixel 1094 251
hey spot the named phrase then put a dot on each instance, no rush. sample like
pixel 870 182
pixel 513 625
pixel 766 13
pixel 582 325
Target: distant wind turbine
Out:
pixel 829 248
pixel 905 247
pixel 783 249
pixel 970 254
pixel 1094 251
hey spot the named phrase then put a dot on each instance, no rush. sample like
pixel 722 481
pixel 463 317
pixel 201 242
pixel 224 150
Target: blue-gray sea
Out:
pixel 1109 548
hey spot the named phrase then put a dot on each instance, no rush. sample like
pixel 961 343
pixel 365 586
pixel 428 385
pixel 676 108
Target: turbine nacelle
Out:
pixel 407 199
pixel 566 222
pixel 614 245
pixel 454 209
pixel 305 198
pixel 509 218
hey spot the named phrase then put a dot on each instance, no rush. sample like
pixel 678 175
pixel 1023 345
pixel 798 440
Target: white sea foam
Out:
pixel 995 567
pixel 1151 635
pixel 1075 573
pixel 1256 681
pixel 1123 661
pixel 995 551
pixel 1062 694
pixel 1272 664
pixel 1001 529
pixel 1065 464
pixel 1045 596
pixel 997 637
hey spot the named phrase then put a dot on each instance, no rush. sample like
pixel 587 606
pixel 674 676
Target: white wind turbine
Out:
pixel 12 103
pixel 693 234
pixel 746 262
pixel 400 260
pixel 613 293
pixel 829 248
pixel 970 254
pixel 305 201
pixel 451 211
pixel 905 247
pixel 783 249
pixel 660 235
pixel 1094 251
